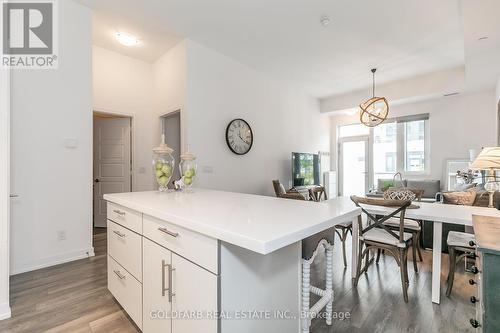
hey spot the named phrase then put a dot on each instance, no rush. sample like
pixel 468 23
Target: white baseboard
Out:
pixel 4 311
pixel 52 261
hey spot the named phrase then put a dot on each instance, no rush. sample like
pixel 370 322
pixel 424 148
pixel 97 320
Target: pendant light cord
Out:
pixel 373 81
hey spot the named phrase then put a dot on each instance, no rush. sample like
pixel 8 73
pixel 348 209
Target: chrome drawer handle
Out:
pixel 168 232
pixel 120 275
pixel 119 212
pixel 118 233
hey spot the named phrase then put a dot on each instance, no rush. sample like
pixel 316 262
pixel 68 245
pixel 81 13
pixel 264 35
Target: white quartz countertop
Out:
pixel 258 223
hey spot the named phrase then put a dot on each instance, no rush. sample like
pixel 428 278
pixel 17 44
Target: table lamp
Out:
pixel 489 161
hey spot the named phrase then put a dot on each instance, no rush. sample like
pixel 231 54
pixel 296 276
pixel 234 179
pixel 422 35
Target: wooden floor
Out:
pixel 73 298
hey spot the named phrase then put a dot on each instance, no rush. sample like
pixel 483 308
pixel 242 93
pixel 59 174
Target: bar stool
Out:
pixel 310 249
pixel 460 244
pixel 342 230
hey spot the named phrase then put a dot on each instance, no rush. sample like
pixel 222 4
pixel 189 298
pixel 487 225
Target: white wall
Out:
pixel 283 119
pixel 457 124
pixel 497 107
pixel 54 183
pixel 169 86
pixel 4 189
pixel 124 85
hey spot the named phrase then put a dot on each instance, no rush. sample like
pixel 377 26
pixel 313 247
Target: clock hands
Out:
pixel 246 142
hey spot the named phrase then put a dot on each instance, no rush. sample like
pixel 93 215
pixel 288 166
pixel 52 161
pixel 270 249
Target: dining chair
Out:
pixel 317 193
pixel 281 192
pixel 460 245
pixel 378 236
pixel 412 226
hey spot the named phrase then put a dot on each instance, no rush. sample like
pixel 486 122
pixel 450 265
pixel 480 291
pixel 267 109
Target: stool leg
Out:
pixel 414 250
pixel 344 238
pixel 306 285
pixel 451 272
pixel 418 245
pixel 329 282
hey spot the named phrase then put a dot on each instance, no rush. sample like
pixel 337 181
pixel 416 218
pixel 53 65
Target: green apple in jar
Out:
pixel 159 165
pixel 188 180
pixel 162 181
pixel 166 169
pixel 159 173
pixel 189 173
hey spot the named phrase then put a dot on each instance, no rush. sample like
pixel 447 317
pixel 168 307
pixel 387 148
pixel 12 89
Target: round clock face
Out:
pixel 239 136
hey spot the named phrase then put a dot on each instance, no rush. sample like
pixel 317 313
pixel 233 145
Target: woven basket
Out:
pixel 399 193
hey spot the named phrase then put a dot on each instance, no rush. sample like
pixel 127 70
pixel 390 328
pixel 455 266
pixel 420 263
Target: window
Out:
pixel 384 151
pixel 399 144
pixel 414 132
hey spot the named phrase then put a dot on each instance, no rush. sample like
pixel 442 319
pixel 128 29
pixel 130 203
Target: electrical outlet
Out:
pixel 61 235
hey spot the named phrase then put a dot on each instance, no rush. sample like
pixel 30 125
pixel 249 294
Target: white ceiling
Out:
pixel 285 39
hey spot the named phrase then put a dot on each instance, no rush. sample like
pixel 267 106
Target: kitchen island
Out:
pixel 212 261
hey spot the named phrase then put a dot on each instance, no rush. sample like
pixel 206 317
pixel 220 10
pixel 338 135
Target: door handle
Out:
pixel 170 291
pixel 163 287
pixel 14 196
pixel 96 180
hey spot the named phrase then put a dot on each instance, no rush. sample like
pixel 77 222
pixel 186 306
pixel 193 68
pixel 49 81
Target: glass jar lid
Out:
pixel 163 148
pixel 188 156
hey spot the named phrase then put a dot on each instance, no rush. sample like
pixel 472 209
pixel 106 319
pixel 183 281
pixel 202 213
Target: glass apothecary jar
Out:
pixel 163 164
pixel 188 169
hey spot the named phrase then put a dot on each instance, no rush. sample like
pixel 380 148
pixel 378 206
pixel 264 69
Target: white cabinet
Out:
pixel 195 292
pixel 157 305
pixel 178 295
pixel 125 246
pixel 126 289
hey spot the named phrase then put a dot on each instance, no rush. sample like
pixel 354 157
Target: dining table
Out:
pixel 438 213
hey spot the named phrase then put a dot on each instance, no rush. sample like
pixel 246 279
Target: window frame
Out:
pixel 400 146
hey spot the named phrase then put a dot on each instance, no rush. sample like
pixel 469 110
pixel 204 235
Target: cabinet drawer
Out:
pixel 126 289
pixel 196 247
pixel 125 217
pixel 125 246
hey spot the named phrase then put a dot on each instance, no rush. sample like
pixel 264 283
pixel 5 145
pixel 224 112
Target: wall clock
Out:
pixel 239 136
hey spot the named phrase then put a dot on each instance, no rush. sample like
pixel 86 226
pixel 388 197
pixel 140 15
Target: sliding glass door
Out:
pixel 354 165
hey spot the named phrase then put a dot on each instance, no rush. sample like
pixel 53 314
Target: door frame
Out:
pixel 5 111
pixel 368 161
pixel 109 112
pixel 132 140
pixel 183 133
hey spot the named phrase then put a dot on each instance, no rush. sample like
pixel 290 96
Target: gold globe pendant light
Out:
pixel 375 110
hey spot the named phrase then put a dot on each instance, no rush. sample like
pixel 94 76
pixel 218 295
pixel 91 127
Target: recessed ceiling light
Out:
pixel 482 38
pixel 126 39
pixel 325 20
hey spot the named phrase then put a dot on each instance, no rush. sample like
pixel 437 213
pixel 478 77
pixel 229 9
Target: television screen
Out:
pixel 305 169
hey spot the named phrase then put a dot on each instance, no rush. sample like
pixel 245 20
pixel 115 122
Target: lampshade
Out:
pixel 488 159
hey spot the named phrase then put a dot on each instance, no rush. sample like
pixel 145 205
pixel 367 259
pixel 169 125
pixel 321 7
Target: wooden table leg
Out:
pixel 355 245
pixel 436 262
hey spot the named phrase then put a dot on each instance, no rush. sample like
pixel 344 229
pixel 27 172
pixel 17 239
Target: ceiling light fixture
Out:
pixel 375 110
pixel 126 39
pixel 325 20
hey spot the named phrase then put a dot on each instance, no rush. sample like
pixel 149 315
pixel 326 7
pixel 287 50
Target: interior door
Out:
pixel 195 290
pixel 112 162
pixel 354 166
pixel 156 303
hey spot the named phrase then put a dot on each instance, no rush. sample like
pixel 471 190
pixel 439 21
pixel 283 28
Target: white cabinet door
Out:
pixel 195 292
pixel 156 304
